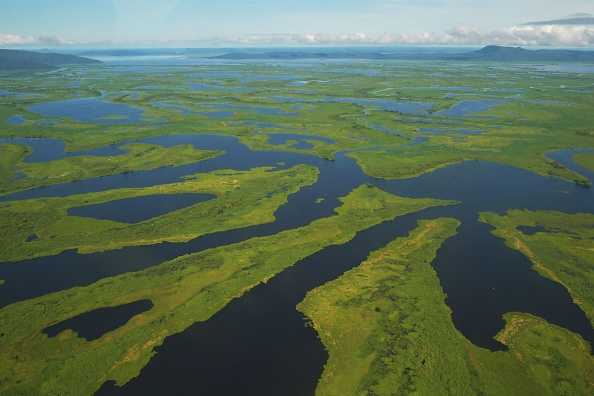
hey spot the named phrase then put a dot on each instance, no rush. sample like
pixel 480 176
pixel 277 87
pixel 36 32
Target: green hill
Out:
pixel 497 53
pixel 17 60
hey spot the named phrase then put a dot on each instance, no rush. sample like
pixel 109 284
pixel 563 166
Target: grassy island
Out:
pixel 385 324
pixel 585 159
pixel 17 175
pixel 185 290
pixel 244 198
pixel 560 248
pixel 388 331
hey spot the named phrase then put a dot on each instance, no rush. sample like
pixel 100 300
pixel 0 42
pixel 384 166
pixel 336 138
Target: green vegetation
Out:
pixel 585 159
pixel 499 146
pixel 388 331
pixel 542 112
pixel 141 157
pixel 385 323
pixel 18 60
pixel 564 253
pixel 244 198
pixel 185 290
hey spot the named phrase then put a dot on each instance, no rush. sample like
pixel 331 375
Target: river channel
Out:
pixel 258 344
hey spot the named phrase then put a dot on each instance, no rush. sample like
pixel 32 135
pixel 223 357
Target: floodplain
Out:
pixel 346 227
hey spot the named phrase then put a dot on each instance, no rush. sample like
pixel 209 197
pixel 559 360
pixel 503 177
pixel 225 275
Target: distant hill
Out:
pixel 495 53
pixel 491 53
pixel 15 60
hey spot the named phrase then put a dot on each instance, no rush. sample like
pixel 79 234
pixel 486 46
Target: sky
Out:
pixel 164 23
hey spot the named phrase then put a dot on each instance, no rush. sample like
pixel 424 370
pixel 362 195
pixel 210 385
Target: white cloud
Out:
pixel 16 40
pixel 547 35
pixel 525 35
pixel 9 39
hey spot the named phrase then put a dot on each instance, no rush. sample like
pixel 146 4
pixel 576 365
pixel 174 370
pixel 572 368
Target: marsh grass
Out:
pixel 244 198
pixel 185 290
pixel 564 254
pixel 388 331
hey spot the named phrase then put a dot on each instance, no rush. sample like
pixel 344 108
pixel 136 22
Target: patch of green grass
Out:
pixel 141 157
pixel 564 254
pixel 244 198
pixel 440 152
pixel 184 291
pixel 388 331
pixel 550 113
pixel 585 159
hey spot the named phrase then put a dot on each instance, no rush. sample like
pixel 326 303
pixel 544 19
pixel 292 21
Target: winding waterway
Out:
pixel 257 344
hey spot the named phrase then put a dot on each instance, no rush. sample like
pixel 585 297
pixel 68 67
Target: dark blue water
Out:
pixel 137 209
pixel 93 110
pixel 15 120
pixel 45 150
pixel 271 353
pixel 565 158
pixel 98 322
pixel 531 230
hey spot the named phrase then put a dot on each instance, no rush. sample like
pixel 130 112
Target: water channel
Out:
pixel 257 344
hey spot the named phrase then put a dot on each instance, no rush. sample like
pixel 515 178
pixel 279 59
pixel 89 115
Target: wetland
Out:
pixel 228 241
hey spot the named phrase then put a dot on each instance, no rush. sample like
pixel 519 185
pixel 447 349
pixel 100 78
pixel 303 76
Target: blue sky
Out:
pixel 280 22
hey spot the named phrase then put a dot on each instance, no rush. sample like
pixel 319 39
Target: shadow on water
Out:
pixel 96 323
pixel 137 209
pixel 257 343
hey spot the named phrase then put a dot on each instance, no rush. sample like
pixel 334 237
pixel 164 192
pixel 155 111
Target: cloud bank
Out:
pixel 525 35
pixel 7 39
pixel 12 39
pixel 547 35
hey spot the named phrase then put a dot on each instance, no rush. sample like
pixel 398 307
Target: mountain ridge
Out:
pixel 18 59
pixel 491 53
